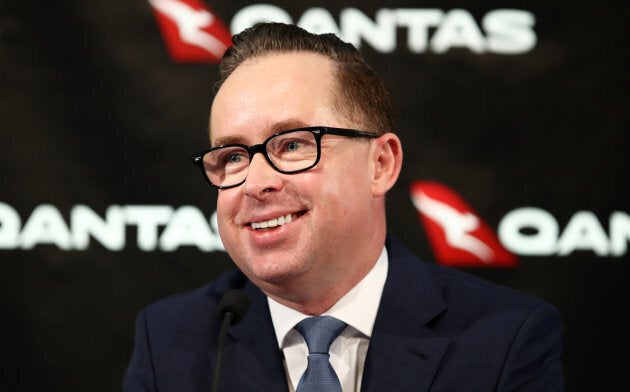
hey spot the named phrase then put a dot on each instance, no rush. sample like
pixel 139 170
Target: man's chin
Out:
pixel 276 278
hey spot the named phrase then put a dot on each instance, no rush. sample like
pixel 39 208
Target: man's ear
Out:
pixel 387 160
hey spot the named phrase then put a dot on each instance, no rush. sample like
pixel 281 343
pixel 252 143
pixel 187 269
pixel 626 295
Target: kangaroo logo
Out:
pixel 458 236
pixel 192 32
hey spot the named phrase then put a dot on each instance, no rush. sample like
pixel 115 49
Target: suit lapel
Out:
pixel 398 363
pixel 252 360
pixel 404 353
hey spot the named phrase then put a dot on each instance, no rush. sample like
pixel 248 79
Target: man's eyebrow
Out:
pixel 279 126
pixel 227 140
pixel 286 125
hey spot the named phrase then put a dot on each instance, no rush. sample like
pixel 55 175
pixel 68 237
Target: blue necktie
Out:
pixel 319 332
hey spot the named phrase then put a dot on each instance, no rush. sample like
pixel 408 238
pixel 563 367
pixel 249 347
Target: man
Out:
pixel 303 153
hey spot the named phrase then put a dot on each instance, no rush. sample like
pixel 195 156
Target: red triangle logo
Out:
pixel 193 33
pixel 457 234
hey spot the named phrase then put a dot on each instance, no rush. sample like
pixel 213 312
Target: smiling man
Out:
pixel 334 213
pixel 303 152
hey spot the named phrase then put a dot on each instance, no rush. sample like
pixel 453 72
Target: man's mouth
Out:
pixel 271 223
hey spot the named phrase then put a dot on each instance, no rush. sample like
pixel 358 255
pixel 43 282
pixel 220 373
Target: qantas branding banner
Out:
pixel 458 235
pixel 193 32
pixel 513 117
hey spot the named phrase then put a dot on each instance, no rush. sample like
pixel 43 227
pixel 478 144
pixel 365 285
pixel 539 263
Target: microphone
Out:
pixel 231 309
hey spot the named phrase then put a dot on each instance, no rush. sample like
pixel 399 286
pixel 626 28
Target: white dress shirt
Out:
pixel 348 352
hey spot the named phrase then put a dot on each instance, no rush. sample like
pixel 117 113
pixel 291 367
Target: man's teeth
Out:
pixel 273 222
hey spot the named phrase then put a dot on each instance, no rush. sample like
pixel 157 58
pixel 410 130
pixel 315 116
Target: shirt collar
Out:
pixel 357 308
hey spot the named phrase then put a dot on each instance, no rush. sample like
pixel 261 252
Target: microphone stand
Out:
pixel 227 321
pixel 231 309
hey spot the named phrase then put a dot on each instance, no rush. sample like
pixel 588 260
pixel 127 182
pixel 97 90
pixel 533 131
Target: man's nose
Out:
pixel 261 177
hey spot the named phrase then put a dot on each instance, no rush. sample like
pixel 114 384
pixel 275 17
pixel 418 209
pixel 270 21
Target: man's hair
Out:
pixel 361 95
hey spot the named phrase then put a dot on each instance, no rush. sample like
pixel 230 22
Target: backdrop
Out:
pixel 513 113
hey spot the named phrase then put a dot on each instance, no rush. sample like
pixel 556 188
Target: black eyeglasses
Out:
pixel 288 152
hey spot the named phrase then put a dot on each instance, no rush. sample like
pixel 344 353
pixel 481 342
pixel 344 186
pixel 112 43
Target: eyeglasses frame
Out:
pixel 317 131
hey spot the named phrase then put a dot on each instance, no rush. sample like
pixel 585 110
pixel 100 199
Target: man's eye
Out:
pixel 231 158
pixel 292 146
pixel 234 158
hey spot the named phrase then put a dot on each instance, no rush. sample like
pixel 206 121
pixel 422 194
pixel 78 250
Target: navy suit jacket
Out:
pixel 437 329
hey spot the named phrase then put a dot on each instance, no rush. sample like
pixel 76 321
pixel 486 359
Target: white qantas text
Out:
pixel 525 231
pixel 157 227
pixel 500 31
pixel 531 231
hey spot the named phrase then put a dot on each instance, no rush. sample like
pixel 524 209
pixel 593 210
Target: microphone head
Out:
pixel 234 301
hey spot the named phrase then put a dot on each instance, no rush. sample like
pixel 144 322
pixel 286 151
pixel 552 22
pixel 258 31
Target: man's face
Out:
pixel 329 207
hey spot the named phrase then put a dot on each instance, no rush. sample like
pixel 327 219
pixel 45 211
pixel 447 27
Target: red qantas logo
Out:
pixel 458 236
pixel 193 33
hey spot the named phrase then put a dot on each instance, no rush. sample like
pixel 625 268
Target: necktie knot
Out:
pixel 319 332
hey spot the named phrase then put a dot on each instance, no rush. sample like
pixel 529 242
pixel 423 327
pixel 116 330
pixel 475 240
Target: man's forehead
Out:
pixel 281 65
pixel 272 93
pixel 294 72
